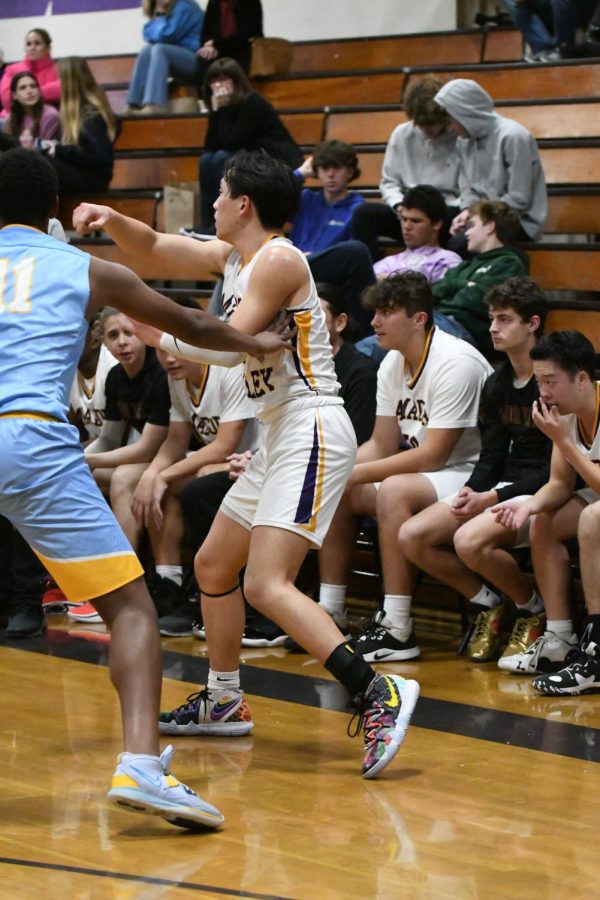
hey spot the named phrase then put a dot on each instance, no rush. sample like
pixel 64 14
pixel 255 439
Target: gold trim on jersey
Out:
pixel 304 320
pixel 580 431
pixel 411 382
pixel 249 259
pixel 82 380
pixel 196 391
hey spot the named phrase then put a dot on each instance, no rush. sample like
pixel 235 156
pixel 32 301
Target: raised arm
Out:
pixel 115 285
pixel 179 256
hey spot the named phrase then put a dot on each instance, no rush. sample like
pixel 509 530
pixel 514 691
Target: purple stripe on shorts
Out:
pixel 307 495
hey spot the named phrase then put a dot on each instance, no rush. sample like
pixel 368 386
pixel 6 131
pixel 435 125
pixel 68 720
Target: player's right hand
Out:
pixel 268 342
pixel 90 217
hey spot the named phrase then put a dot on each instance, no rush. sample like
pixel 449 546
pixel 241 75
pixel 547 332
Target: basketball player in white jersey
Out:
pixel 568 412
pixel 285 500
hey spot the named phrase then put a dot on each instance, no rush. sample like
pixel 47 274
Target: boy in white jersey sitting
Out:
pixel 423 447
pixel 568 412
pixel 209 404
pixel 284 501
pixel 514 463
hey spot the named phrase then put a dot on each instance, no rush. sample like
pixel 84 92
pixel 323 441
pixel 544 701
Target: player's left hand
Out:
pixel 549 422
pixel 270 342
pixel 147 333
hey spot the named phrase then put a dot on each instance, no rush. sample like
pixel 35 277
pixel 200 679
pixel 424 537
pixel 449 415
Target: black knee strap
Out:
pixel 224 594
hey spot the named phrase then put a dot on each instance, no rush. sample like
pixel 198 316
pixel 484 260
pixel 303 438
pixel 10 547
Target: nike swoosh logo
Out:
pixel 393 699
pixel 220 710
pixel 154 780
pixel 381 654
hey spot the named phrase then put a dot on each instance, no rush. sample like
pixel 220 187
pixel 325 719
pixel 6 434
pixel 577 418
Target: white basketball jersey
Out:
pixel 220 397
pixel 305 376
pixel 590 450
pixel 88 397
pixel 442 392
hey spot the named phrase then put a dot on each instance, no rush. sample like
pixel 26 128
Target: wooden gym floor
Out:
pixel 493 795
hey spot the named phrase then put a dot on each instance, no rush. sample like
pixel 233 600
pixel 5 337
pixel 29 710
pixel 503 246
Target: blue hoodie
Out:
pixel 181 26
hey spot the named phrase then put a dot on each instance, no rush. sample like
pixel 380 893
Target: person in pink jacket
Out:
pixel 38 61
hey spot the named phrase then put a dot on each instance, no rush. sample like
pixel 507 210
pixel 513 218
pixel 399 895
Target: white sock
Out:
pixel 173 573
pixel 223 681
pixel 486 597
pixel 332 597
pixel 561 627
pixel 397 609
pixel 534 605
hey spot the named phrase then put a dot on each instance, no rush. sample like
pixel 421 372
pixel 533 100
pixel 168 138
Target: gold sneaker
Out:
pixel 488 635
pixel 527 629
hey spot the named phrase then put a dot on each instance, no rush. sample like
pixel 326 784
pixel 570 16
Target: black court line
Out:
pixel 142 879
pixel 466 720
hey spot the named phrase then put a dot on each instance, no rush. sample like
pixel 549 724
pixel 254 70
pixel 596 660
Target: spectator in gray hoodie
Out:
pixel 498 158
pixel 420 151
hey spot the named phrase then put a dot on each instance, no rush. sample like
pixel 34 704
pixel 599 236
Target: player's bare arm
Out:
pixel 280 279
pixel 430 456
pixel 115 285
pixel 180 257
pixel 553 495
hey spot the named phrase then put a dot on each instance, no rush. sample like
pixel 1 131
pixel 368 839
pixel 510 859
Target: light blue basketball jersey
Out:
pixel 44 291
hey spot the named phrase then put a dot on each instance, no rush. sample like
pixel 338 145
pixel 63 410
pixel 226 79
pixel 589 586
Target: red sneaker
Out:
pixel 84 613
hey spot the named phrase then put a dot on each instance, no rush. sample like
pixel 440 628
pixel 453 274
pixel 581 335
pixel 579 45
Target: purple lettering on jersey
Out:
pixel 11 10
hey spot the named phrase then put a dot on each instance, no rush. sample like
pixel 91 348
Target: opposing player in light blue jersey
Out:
pixel 283 503
pixel 47 292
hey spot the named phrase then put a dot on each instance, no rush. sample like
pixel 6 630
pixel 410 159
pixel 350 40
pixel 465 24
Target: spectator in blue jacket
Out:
pixel 322 226
pixel 172 37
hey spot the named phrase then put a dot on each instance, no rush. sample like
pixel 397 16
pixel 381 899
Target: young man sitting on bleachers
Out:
pixel 460 308
pixel 423 447
pixel 514 463
pixel 420 151
pixel 322 226
pixel 498 158
pixel 568 412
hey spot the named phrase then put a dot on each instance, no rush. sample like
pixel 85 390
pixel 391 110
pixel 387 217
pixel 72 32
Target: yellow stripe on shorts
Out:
pixel 85 579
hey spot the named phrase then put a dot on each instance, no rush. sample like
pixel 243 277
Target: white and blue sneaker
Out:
pixel 158 793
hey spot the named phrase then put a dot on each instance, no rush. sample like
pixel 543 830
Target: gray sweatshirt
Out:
pixel 411 159
pixel 499 160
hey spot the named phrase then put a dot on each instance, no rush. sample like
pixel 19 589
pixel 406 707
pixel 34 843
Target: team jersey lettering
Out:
pixel 414 410
pixel 205 426
pixel 258 382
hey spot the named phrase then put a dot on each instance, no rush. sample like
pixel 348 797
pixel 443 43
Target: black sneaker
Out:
pixel 166 595
pixel 179 623
pixel 263 633
pixel 381 642
pixel 26 623
pixel 581 674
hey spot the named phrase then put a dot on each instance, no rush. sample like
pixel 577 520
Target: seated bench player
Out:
pixel 424 446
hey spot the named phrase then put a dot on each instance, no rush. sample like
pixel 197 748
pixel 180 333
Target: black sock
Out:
pixel 350 669
pixel 593 621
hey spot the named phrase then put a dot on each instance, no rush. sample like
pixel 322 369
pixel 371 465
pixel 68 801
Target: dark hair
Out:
pixel 270 184
pixel 333 296
pixel 224 67
pixel 336 154
pixel 570 350
pixel 506 219
pixel 419 104
pixel 521 294
pixel 17 113
pixel 408 290
pixel 426 199
pixel 7 142
pixel 42 33
pixel 28 187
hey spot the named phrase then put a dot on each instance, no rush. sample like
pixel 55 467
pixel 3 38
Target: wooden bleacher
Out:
pixel 352 89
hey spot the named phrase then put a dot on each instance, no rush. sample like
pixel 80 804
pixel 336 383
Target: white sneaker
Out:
pixel 160 794
pixel 547 654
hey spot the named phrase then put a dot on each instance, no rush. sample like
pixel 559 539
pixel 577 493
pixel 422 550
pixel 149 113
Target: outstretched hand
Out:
pixel 148 334
pixel 512 514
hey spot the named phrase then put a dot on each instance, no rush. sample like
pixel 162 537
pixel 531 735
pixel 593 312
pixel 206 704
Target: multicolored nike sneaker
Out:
pixel 226 714
pixel 384 715
pixel 152 789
